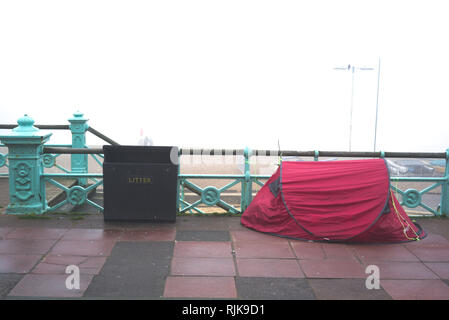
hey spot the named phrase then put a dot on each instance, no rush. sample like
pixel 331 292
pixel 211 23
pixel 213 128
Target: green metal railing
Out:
pixel 210 196
pixel 193 198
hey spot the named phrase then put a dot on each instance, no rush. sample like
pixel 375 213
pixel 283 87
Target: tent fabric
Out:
pixel 338 201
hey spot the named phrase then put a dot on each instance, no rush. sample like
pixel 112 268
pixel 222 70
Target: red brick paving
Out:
pixel 17 263
pixel 83 247
pixel 272 268
pixel 432 240
pixel 25 246
pixel 308 250
pixel 57 264
pixel 330 268
pixel 416 289
pixel 431 254
pixel 92 234
pixel 403 270
pixel 203 249
pixel 273 249
pixel 208 269
pixel 48 285
pixel 249 235
pixel 36 233
pixel 338 251
pixel 203 266
pixel 439 268
pixel 384 252
pixel 4 232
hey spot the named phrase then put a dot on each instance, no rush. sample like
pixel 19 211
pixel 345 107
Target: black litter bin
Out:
pixel 140 183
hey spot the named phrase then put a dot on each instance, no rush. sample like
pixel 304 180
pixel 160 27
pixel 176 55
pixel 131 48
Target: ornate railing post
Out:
pixel 444 207
pixel 247 186
pixel 78 127
pixel 25 144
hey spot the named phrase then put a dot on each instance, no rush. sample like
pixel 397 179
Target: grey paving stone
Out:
pixel 7 282
pixel 208 235
pixel 255 288
pixel 346 289
pixel 134 270
pixel 199 223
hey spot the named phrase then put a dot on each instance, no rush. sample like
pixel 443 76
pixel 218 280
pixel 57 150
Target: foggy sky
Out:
pixel 230 74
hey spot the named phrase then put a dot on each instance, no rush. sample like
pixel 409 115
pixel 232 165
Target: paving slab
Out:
pixel 245 249
pixel 254 236
pixel 200 287
pixel 7 282
pixel 255 288
pixel 47 286
pixel 308 250
pixel 201 223
pixel 403 270
pixel 209 258
pixel 384 252
pixel 18 263
pixel 271 268
pixel 431 254
pixel 203 267
pixel 25 246
pixel 439 268
pixel 416 289
pixel 203 249
pixel 148 234
pixel 332 269
pixel 83 247
pixel 4 231
pixel 203 235
pixel 92 234
pixel 346 289
pixel 133 270
pixel 36 233
pixel 57 264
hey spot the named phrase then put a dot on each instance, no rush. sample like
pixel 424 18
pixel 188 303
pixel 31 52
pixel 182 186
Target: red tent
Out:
pixel 340 201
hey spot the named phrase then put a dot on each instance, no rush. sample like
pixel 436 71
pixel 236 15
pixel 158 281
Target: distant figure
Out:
pixel 144 141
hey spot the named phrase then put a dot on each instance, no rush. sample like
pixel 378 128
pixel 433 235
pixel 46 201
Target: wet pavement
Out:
pixel 209 257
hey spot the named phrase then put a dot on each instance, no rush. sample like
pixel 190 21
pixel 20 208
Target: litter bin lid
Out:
pixel 141 154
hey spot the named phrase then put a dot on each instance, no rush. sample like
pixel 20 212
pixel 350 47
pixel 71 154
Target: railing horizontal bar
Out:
pixel 213 152
pixel 212 176
pixel 73 150
pixel 102 136
pixel 72 175
pixel 420 179
pixel 355 154
pixel 40 126
pixel 220 176
pixel 58 145
pixel 242 176
pixel 53 126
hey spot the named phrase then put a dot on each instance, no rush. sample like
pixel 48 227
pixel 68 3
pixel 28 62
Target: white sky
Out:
pixel 230 74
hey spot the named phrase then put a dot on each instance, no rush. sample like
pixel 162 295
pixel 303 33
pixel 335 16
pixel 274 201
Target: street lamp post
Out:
pixel 352 68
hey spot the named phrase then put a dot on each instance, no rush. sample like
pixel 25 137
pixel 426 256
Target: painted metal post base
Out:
pixel 25 209
pixel 25 144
